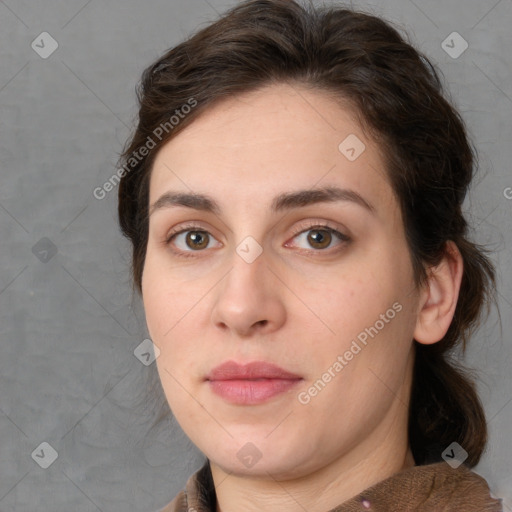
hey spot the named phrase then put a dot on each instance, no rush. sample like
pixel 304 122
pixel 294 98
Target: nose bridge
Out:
pixel 248 264
pixel 248 298
pixel 246 283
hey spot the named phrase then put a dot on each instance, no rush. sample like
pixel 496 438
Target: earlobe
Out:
pixel 438 298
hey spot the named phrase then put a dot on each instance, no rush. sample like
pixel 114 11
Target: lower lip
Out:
pixel 251 392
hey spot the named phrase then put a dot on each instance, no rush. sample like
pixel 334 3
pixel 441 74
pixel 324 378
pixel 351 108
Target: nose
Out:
pixel 249 300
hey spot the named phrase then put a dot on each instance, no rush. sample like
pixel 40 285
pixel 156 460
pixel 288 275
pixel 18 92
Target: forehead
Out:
pixel 272 140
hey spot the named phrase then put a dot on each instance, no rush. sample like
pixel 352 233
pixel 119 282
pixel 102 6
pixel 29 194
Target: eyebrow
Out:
pixel 282 202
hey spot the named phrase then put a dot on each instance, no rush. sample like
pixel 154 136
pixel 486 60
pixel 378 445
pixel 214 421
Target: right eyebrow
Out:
pixel 189 200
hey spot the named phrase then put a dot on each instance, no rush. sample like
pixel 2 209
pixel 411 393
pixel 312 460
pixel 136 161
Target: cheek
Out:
pixel 370 304
pixel 165 294
pixel 355 299
pixel 156 307
pixel 175 316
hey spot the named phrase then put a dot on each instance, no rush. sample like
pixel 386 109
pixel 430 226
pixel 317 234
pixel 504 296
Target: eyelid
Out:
pixel 186 226
pixel 316 223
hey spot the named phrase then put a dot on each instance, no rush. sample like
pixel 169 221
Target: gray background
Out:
pixel 69 324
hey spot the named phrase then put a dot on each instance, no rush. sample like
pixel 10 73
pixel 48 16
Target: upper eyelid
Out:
pixel 183 227
pixel 322 224
pixel 195 226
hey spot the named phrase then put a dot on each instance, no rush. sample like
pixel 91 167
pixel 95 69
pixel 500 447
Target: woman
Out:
pixel 293 196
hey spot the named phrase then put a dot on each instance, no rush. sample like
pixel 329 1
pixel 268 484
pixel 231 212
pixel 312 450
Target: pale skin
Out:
pixel 296 305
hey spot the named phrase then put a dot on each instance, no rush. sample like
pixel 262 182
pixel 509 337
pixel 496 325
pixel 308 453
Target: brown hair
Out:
pixel 398 94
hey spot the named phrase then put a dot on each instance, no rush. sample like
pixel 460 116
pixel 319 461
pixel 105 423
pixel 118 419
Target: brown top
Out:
pixel 431 488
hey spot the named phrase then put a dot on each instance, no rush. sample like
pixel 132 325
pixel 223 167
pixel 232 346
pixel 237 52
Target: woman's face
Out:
pixel 278 285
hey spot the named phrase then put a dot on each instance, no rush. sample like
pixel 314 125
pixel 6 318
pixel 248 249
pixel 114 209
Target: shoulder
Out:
pixel 431 487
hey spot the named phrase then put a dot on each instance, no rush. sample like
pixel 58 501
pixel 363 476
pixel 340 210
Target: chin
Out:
pixel 262 457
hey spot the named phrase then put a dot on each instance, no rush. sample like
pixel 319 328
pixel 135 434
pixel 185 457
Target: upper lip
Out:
pixel 230 370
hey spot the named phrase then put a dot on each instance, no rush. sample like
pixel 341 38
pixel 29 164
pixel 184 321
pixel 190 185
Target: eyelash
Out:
pixel 343 239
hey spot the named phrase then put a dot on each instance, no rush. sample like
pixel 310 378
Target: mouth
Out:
pixel 250 384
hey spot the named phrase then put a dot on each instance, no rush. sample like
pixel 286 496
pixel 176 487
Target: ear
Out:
pixel 438 297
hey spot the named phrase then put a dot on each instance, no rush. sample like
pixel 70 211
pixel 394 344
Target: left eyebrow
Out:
pixel 285 201
pixel 303 198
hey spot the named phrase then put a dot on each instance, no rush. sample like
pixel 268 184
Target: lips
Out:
pixel 252 383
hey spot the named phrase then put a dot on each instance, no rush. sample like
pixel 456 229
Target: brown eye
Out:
pixel 319 238
pixel 191 239
pixel 196 240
